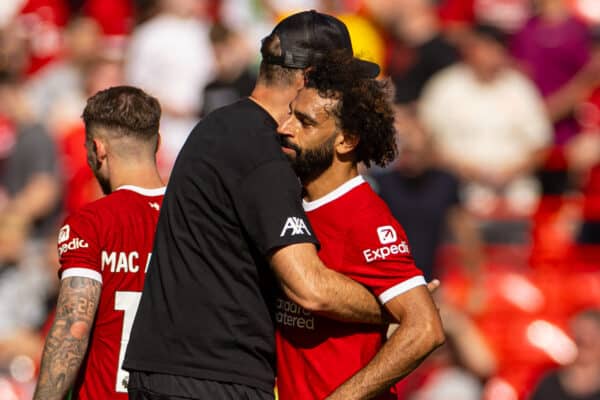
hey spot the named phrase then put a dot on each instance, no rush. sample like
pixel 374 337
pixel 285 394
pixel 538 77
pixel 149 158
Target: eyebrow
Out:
pixel 305 118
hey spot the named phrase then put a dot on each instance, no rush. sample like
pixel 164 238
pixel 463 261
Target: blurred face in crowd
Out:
pixel 82 40
pixel 104 74
pixel 384 11
pixel 13 48
pixel 13 235
pixel 586 332
pixel 184 8
pixel 402 17
pixel 308 136
pixel 486 56
pixel 12 103
pixel 550 5
pixel 413 142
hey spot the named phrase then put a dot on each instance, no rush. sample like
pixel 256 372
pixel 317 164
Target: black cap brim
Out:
pixel 370 69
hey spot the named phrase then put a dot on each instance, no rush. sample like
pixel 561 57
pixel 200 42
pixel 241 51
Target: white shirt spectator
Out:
pixel 171 58
pixel 488 125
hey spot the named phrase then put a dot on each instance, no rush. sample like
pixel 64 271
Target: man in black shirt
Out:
pixel 232 216
pixel 577 380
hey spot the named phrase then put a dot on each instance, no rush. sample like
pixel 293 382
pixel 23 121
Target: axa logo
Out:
pixel 154 205
pixel 63 234
pixel 296 225
pixel 387 234
pixel 74 244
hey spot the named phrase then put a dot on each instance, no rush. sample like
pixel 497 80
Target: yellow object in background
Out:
pixel 367 42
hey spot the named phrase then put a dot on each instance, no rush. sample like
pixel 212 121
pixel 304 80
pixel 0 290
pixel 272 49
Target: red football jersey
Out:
pixel 110 240
pixel 360 239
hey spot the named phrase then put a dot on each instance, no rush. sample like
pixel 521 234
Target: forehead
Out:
pixel 309 102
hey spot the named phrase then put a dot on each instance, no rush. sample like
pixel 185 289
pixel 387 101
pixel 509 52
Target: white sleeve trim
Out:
pixel 402 287
pixel 81 273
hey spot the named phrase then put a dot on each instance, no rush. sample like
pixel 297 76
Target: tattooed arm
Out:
pixel 67 341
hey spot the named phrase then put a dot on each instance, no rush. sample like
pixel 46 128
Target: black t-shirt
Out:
pixel 550 388
pixel 411 68
pixel 421 205
pixel 206 309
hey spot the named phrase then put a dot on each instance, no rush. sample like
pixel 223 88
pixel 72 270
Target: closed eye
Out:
pixel 304 119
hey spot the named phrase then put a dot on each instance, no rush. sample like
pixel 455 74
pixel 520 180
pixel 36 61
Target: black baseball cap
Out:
pixel 308 36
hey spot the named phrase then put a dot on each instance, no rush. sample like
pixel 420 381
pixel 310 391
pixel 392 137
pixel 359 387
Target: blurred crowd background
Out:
pixel 497 182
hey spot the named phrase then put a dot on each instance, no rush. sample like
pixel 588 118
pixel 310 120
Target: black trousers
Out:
pixel 150 386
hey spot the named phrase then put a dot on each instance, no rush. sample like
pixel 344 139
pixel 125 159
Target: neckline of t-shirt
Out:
pixel 334 194
pixel 268 117
pixel 143 191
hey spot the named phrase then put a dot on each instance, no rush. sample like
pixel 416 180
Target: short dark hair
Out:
pixel 590 313
pixel 364 109
pixel 273 74
pixel 490 32
pixel 123 111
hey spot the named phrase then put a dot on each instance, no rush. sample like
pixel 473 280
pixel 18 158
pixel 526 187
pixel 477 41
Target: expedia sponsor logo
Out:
pixel 383 252
pixel 63 234
pixel 74 244
pixel 296 226
pixel 387 234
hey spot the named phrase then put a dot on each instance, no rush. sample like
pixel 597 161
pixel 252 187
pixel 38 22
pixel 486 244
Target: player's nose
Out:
pixel 286 127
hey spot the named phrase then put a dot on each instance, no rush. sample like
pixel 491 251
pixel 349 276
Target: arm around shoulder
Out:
pixel 310 284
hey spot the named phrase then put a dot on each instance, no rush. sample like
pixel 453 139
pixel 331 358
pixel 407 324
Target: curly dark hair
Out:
pixel 364 108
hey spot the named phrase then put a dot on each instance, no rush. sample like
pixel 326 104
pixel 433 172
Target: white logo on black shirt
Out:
pixel 64 233
pixel 387 234
pixel 297 226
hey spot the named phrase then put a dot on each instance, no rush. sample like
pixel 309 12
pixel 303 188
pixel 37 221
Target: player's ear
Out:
pixel 300 79
pixel 99 148
pixel 346 143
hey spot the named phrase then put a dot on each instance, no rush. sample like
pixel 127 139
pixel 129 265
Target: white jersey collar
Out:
pixel 143 191
pixel 334 194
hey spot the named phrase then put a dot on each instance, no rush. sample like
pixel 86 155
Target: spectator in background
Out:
pixel 456 370
pixel 425 199
pixel 579 380
pixel 235 77
pixel 553 48
pixel 29 178
pixel 170 57
pixel 29 207
pixel 488 123
pixel 43 21
pixel 418 49
pixel 56 92
pixel 115 17
pixel 582 154
pixel 13 49
pixel 507 15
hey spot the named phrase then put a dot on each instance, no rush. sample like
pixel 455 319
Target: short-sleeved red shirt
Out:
pixel 360 239
pixel 110 240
